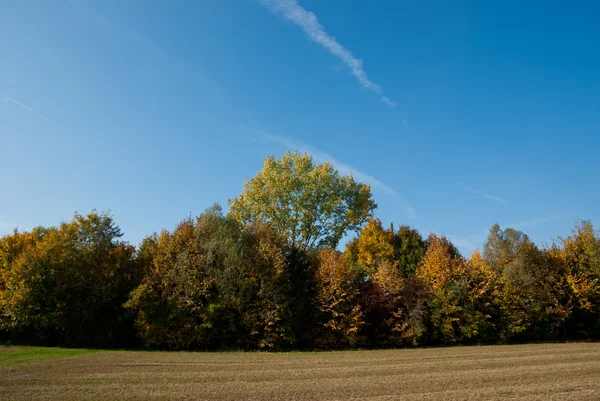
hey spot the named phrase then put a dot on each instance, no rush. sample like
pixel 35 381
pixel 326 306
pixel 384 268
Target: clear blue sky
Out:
pixel 462 113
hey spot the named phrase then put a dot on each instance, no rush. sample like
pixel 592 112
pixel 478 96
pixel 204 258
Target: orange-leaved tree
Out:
pixel 338 286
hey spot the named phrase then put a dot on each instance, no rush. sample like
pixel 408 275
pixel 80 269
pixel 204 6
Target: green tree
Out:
pixel 268 310
pixel 277 307
pixel 308 203
pixel 189 297
pixel 410 249
pixel 535 284
pixel 501 246
pixel 211 285
pixel 375 245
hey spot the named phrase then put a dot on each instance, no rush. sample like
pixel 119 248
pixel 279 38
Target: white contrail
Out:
pixel 307 20
pixel 534 222
pixel 484 195
pixel 344 169
pixel 24 106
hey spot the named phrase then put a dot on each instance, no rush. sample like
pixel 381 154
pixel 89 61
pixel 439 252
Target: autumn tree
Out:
pixel 13 248
pixel 392 298
pixel 268 310
pixel 441 260
pixel 484 293
pixel 338 301
pixel 581 255
pixel 375 245
pixel 395 307
pixel 182 302
pixel 212 285
pixel 461 295
pixel 309 203
pixel 535 284
pixel 436 271
pixel 66 285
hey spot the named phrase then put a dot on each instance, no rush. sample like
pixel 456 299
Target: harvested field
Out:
pixel 540 372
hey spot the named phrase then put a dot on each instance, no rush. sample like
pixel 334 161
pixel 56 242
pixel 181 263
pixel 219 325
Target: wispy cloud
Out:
pixel 129 34
pixel 308 21
pixel 476 240
pixel 253 129
pixel 468 243
pixel 343 168
pixel 8 99
pixel 534 222
pixel 484 195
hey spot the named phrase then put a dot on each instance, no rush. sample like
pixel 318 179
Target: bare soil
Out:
pixel 531 372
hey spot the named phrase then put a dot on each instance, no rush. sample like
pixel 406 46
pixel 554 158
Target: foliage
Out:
pixel 212 286
pixel 463 295
pixel 373 246
pixel 536 285
pixel 341 315
pixel 66 285
pixel 268 276
pixel 501 246
pixel 185 300
pixel 580 254
pixel 308 203
pixel 396 307
pixel 376 245
pixel 409 249
pixel 268 310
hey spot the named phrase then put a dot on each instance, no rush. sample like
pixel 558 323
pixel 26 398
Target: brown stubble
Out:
pixel 550 371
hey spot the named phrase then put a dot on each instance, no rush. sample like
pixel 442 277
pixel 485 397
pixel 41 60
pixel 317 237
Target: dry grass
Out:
pixel 541 372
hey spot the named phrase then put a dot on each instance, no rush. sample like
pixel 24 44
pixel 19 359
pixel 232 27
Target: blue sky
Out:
pixel 459 113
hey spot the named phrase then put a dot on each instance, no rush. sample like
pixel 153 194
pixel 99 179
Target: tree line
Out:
pixel 270 274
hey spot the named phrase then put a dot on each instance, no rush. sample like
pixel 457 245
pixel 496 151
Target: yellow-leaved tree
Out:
pixel 461 295
pixel 310 204
pixel 374 246
pixel 338 301
pixel 581 255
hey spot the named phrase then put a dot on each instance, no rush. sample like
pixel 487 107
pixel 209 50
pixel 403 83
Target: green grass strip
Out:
pixel 17 355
